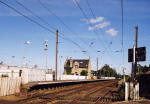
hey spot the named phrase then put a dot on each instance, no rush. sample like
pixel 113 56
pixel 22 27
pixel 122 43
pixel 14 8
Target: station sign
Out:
pixel 140 54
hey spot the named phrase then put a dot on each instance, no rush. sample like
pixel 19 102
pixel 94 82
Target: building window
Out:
pixel 76 73
pixel 76 66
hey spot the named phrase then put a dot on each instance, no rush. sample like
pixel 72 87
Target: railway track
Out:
pixel 104 98
pixel 76 94
pixel 104 90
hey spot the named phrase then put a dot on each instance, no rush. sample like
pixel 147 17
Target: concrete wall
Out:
pixel 108 78
pixel 71 77
pixel 27 75
pixel 9 72
pixel 33 75
pixel 49 77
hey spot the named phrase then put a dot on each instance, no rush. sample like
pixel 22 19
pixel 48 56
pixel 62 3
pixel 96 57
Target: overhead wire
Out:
pixel 45 22
pixel 109 45
pixel 93 16
pixel 41 19
pixel 31 20
pixel 60 20
pixel 85 16
pixel 88 4
pixel 40 25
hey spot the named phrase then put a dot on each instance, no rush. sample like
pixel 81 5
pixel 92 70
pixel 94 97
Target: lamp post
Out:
pixel 60 66
pixel 23 57
pixel 97 62
pixel 45 49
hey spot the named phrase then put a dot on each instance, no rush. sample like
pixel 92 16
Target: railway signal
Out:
pixel 45 49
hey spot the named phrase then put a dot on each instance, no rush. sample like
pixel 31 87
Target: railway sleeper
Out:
pixel 106 99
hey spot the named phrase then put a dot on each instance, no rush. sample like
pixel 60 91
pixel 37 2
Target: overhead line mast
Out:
pixel 122 31
pixel 56 55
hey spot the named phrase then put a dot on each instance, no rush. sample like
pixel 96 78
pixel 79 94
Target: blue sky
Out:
pixel 15 30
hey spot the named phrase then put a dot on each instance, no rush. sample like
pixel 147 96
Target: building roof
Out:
pixel 83 63
pixel 148 72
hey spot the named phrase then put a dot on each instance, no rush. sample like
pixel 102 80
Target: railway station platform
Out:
pixel 54 84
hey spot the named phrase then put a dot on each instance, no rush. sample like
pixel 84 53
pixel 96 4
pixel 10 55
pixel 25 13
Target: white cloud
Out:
pixel 99 26
pixel 91 28
pixel 102 25
pixel 112 32
pixel 98 19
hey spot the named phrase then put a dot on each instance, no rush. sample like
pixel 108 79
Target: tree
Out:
pixel 106 70
pixel 141 68
pixel 68 70
pixel 84 72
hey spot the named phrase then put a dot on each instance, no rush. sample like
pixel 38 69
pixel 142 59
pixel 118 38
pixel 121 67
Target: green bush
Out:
pixel 4 75
pixel 121 91
pixel 84 72
pixel 68 70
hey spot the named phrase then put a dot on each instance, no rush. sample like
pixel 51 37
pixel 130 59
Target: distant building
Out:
pixel 76 66
pixel 50 71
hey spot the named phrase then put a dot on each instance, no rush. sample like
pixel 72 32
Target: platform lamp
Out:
pixel 25 43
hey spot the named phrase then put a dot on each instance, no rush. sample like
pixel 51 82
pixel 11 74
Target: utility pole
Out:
pixel 132 88
pixel 134 67
pixel 136 36
pixel 97 67
pixel 56 55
